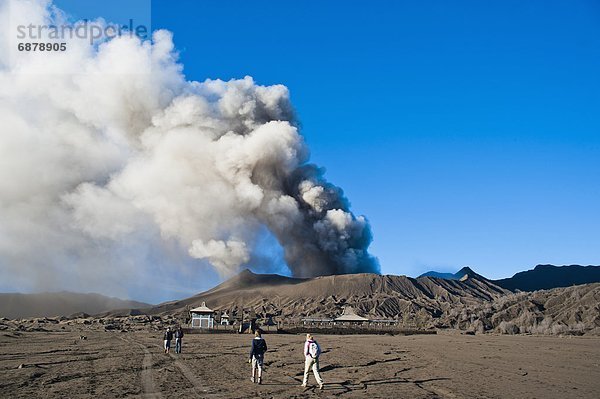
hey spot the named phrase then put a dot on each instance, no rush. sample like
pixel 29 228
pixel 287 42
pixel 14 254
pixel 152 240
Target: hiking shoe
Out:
pixel 252 379
pixel 303 385
pixel 321 387
pixel 259 381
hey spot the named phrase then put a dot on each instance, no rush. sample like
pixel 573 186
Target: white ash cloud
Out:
pixel 225 255
pixel 108 152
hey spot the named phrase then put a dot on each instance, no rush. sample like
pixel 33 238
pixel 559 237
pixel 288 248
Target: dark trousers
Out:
pixel 177 345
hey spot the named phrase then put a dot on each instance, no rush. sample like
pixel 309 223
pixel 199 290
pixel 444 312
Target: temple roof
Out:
pixel 202 309
pixel 350 315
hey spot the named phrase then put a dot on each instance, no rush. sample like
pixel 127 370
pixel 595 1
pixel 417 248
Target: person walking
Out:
pixel 168 337
pixel 312 351
pixel 178 338
pixel 257 356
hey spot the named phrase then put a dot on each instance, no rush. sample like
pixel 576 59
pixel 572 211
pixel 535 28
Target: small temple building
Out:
pixel 224 319
pixel 202 317
pixel 350 316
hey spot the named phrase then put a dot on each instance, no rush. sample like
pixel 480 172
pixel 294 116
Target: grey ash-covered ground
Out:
pixel 58 364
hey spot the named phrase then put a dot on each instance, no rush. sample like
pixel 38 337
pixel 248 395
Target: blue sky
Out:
pixel 468 132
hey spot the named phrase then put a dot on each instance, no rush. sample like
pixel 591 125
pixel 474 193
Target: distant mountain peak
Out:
pixel 540 277
pixel 465 271
pixel 551 276
pixel 432 273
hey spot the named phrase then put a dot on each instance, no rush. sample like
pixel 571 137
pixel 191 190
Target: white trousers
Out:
pixel 314 364
pixel 257 365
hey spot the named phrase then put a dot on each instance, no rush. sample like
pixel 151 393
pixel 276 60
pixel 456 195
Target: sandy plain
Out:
pixel 117 365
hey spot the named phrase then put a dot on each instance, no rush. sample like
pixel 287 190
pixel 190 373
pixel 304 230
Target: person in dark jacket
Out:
pixel 257 357
pixel 178 338
pixel 168 337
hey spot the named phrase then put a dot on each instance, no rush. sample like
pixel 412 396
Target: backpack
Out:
pixel 314 350
pixel 260 346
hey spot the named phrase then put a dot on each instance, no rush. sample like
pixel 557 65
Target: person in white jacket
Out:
pixel 312 351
